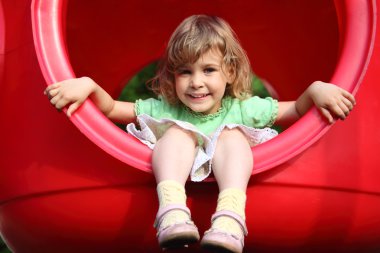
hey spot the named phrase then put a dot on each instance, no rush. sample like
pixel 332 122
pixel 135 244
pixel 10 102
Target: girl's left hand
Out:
pixel 332 101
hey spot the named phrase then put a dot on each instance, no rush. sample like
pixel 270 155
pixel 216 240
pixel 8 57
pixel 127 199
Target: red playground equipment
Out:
pixel 315 187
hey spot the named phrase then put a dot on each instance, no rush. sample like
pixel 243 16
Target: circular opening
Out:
pixel 290 44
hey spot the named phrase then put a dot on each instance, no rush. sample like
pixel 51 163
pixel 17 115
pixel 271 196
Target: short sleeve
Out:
pixel 259 112
pixel 156 108
pixel 145 106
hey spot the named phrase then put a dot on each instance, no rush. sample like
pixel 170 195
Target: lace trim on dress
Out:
pixel 204 117
pixel 137 107
pixel 274 113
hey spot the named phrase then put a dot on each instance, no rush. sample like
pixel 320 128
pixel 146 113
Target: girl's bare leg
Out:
pixel 233 161
pixel 232 167
pixel 172 159
pixel 173 155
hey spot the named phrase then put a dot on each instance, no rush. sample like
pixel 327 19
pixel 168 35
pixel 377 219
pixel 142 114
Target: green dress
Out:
pixel 253 116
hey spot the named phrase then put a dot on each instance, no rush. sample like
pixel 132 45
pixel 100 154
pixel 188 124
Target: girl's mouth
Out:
pixel 197 96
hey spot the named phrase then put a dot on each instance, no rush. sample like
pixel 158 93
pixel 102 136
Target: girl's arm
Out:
pixel 332 101
pixel 74 92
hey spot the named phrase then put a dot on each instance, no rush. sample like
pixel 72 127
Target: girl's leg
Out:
pixel 233 161
pixel 173 155
pixel 232 167
pixel 172 159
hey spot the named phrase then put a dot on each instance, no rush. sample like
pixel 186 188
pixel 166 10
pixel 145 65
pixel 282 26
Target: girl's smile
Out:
pixel 198 97
pixel 201 86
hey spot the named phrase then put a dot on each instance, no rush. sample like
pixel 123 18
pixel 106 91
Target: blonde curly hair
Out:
pixel 195 36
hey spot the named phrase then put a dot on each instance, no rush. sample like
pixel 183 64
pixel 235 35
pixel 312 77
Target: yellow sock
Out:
pixel 171 192
pixel 230 199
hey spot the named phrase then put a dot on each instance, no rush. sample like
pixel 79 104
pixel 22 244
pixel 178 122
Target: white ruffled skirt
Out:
pixel 151 130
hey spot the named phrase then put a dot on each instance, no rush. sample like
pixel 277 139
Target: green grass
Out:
pixel 3 247
pixel 136 88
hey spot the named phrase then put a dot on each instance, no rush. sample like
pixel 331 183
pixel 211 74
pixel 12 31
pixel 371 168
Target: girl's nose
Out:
pixel 196 81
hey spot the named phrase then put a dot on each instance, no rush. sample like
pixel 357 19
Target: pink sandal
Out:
pixel 176 235
pixel 220 241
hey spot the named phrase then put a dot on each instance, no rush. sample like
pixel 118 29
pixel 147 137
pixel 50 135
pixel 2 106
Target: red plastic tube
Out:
pixel 356 26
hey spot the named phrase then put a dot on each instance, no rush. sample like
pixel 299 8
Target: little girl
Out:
pixel 204 120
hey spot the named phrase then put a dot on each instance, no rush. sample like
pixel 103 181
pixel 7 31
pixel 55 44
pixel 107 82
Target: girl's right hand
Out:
pixel 71 93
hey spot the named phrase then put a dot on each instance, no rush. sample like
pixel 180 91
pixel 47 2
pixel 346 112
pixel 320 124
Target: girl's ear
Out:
pixel 230 74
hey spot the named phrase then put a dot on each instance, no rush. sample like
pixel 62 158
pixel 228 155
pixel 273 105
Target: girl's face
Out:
pixel 200 86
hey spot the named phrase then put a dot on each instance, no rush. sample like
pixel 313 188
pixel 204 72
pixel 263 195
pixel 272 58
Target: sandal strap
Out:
pixel 232 215
pixel 162 211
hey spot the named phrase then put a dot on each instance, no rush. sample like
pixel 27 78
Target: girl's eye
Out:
pixel 184 72
pixel 209 70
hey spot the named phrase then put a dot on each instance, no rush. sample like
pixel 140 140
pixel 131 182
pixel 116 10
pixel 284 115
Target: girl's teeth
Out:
pixel 198 96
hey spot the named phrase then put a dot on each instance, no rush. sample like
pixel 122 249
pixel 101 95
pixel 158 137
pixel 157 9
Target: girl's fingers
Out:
pixel 51 87
pixel 61 95
pixel 54 100
pixel 337 104
pixel 61 103
pixel 54 92
pixel 343 105
pixel 337 111
pixel 343 110
pixel 326 113
pixel 51 92
pixel 72 108
pixel 349 96
pixel 348 103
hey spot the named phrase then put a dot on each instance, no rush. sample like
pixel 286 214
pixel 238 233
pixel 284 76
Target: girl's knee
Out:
pixel 181 135
pixel 233 150
pixel 235 135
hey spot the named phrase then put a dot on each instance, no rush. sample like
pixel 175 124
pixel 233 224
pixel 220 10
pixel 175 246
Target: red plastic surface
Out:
pixel 61 193
pixel 55 65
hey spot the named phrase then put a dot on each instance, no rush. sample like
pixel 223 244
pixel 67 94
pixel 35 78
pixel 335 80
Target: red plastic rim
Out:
pixel 357 26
